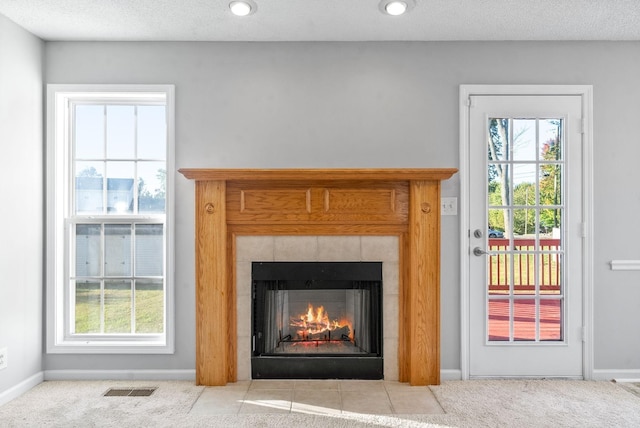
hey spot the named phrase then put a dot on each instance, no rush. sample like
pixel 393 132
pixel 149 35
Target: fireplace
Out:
pixel 235 203
pixel 317 320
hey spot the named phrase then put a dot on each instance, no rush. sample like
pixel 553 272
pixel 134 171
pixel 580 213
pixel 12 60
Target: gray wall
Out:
pixel 21 206
pixel 374 105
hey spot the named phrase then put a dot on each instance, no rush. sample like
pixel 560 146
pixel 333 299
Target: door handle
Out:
pixel 477 251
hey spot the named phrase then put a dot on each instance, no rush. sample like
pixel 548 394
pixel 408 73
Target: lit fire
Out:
pixel 316 324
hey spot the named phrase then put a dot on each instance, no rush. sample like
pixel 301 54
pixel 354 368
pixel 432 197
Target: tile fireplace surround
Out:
pixel 387 215
pixel 318 249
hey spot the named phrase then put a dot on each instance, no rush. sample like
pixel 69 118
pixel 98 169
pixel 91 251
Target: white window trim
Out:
pixel 57 175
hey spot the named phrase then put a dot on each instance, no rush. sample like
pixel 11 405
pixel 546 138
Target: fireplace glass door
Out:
pixel 317 320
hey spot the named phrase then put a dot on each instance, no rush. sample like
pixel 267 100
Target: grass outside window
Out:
pixel 109 310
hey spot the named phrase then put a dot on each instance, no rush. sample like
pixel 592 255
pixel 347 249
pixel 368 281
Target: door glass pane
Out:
pixel 524 139
pixel 550 176
pixel 117 306
pixel 550 273
pixel 524 319
pixel 117 250
pixel 499 273
pixel 149 306
pixel 525 203
pixel 496 220
pixel 524 223
pixel 551 319
pixel 498 139
pixel 550 222
pixel 524 273
pixel 550 139
pixel 88 307
pixel 498 320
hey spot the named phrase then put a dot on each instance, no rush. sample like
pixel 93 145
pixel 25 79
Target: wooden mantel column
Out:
pixel 399 202
pixel 423 289
pixel 212 286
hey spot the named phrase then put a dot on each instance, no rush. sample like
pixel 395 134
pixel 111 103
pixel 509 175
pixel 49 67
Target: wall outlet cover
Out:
pixel 3 358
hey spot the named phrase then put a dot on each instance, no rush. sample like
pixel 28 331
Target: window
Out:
pixel 109 218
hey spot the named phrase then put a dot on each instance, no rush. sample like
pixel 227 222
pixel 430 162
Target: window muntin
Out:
pixel 109 157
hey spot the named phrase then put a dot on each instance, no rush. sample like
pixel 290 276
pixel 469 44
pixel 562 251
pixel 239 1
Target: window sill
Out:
pixel 91 346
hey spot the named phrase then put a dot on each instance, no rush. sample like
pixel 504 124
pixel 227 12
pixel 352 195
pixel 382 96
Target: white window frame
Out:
pixel 58 205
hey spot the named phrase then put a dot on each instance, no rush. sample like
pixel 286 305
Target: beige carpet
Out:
pixel 494 403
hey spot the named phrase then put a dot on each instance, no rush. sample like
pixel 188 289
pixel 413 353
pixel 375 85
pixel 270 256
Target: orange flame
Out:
pixel 316 321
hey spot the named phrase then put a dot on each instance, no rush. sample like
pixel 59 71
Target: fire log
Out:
pixel 324 335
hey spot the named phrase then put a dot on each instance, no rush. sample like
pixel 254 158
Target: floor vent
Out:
pixel 129 392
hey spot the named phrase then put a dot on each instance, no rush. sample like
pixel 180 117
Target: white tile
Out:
pixel 338 248
pixel 414 400
pixel 243 278
pixel 255 248
pixel 244 358
pixel 217 401
pixel 319 385
pixel 380 248
pixel 390 351
pixel 267 401
pixel 316 402
pixel 362 385
pixel 268 384
pixel 296 248
pixel 390 275
pixel 243 323
pixel 240 385
pixel 243 305
pixel 373 402
pixel 390 311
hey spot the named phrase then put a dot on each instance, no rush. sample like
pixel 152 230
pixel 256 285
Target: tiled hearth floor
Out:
pixel 317 397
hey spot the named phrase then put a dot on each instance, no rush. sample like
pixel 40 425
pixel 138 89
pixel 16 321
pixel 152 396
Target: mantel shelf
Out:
pixel 331 174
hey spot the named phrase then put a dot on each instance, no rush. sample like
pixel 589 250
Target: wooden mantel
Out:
pixel 337 174
pixel 401 202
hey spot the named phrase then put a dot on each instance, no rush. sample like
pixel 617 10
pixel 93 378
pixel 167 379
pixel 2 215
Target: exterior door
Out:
pixel 525 236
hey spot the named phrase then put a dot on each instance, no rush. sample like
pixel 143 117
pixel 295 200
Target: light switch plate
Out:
pixel 449 206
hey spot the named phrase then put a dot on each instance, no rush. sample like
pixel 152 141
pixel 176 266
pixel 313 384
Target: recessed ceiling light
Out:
pixel 242 7
pixel 396 7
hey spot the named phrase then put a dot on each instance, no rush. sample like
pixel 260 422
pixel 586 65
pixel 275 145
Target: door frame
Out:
pixel 586 93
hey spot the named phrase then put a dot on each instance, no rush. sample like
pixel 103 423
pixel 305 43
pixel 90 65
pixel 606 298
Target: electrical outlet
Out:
pixel 449 206
pixel 3 358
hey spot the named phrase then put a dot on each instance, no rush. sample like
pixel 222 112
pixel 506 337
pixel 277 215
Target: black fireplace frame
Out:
pixel 323 275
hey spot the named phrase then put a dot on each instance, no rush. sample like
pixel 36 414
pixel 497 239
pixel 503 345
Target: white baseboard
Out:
pixel 450 374
pixel 120 375
pixel 21 388
pixel 630 375
pixel 160 375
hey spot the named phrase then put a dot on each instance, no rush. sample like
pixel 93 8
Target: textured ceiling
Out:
pixel 326 20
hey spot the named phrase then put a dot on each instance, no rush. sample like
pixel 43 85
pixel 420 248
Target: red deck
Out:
pixel 517 267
